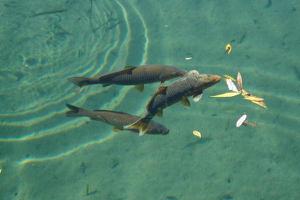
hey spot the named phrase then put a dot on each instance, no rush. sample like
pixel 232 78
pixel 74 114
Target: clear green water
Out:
pixel 44 155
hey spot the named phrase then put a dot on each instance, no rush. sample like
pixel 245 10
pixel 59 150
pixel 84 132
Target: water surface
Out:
pixel 44 155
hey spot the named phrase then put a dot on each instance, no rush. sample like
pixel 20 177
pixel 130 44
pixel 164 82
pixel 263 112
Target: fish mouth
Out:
pixel 211 80
pixel 215 78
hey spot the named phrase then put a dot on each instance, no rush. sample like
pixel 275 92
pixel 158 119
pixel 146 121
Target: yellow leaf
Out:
pixel 229 77
pixel 253 98
pixel 227 94
pixel 228 48
pixel 260 103
pixel 197 133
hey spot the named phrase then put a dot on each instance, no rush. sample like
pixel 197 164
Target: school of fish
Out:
pixel 188 83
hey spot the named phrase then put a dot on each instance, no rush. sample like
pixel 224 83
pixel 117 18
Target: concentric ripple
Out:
pixel 49 49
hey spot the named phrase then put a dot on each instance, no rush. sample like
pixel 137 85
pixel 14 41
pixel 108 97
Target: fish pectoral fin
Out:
pixel 197 98
pixel 159 112
pixel 141 125
pixel 106 78
pixel 162 90
pixel 140 87
pixel 141 133
pixel 116 129
pixel 185 101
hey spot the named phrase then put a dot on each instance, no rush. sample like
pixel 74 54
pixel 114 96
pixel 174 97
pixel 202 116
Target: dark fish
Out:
pixel 117 119
pixel 131 75
pixel 192 84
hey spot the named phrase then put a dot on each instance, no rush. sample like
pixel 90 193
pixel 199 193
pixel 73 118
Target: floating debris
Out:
pixel 239 81
pixel 228 48
pixel 197 134
pixel 243 121
pixel 239 90
pixel 227 94
pixel 231 86
pixel 229 77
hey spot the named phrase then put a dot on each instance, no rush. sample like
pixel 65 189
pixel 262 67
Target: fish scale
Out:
pixel 132 76
pixel 192 83
pixel 116 119
pixel 173 94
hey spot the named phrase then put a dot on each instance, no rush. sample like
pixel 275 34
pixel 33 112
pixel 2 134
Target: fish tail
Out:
pixel 141 124
pixel 76 111
pixel 80 81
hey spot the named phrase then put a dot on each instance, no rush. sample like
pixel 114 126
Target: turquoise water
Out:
pixel 44 155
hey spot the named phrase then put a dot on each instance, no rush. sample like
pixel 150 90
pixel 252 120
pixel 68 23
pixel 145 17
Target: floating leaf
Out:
pixel 239 80
pixel 197 133
pixel 241 120
pixel 231 86
pixel 228 94
pixel 229 77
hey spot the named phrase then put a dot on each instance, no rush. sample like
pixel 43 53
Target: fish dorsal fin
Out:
pixel 159 112
pixel 197 98
pixel 109 76
pixel 162 90
pixel 185 101
pixel 111 111
pixel 128 69
pixel 140 87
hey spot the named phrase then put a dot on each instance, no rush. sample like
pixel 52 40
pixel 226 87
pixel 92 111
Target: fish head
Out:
pixel 207 80
pixel 157 129
pixel 192 73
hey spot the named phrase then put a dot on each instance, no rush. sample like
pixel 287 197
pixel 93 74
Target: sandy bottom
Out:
pixel 44 155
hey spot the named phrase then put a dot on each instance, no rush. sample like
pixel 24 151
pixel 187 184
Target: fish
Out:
pixel 192 84
pixel 132 75
pixel 117 119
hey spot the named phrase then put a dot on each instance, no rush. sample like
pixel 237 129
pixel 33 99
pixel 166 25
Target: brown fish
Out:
pixel 192 84
pixel 117 119
pixel 131 75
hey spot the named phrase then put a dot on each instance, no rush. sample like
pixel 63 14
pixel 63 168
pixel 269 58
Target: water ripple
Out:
pixel 105 39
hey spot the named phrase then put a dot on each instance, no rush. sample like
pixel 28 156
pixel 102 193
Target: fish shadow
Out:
pixel 197 142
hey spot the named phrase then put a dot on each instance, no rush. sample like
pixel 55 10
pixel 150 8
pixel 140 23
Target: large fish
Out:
pixel 131 75
pixel 117 119
pixel 192 84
